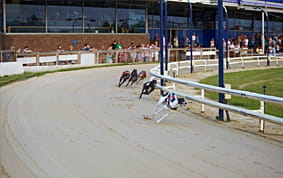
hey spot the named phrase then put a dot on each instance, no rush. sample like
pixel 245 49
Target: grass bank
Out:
pixel 252 81
pixel 14 78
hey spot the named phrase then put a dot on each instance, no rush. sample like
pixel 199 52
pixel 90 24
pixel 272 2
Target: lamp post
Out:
pixel 191 34
pixel 220 59
pixel 267 33
pixel 226 36
pixel 166 34
pixel 161 42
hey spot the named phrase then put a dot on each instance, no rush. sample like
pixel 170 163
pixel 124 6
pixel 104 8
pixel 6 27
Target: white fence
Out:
pixel 242 61
pixel 277 120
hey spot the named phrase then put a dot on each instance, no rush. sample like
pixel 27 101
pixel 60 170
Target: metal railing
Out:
pixel 209 63
pixel 277 120
pixel 116 56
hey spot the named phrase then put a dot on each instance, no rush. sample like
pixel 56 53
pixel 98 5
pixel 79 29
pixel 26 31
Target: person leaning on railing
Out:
pixel 27 50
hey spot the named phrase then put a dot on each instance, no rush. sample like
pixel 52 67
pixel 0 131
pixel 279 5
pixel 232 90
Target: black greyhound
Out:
pixel 148 87
pixel 133 78
pixel 124 77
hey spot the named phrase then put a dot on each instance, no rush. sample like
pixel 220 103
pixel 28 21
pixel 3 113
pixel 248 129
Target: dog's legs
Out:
pixel 124 80
pixel 163 117
pixel 159 109
pixel 133 81
pixel 128 82
pixel 120 82
pixel 142 92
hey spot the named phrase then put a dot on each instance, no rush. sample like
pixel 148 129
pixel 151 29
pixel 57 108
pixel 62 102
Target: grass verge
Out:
pixel 252 81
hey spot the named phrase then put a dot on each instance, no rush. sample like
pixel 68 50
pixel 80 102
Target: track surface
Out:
pixel 80 124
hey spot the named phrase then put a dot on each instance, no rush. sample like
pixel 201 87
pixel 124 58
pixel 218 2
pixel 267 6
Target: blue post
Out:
pixel 191 39
pixel 220 60
pixel 161 43
pixel 226 37
pixel 267 36
pixel 166 33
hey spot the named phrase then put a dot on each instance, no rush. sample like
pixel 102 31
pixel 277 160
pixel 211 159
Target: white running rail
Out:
pixel 277 120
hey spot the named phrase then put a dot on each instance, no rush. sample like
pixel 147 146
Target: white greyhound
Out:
pixel 167 103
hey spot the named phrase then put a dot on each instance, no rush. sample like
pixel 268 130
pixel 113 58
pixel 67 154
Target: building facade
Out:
pixel 43 24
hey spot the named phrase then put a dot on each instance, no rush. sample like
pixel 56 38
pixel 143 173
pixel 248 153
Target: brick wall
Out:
pixel 1 42
pixel 49 42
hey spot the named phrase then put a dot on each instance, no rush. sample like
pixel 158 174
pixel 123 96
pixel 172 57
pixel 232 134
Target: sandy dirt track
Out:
pixel 80 124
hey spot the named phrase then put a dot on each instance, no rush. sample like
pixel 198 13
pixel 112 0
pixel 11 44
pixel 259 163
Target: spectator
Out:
pixel 232 45
pixel 245 42
pixel 60 49
pixel 186 41
pixel 155 53
pixel 175 42
pixel 132 46
pixel 212 43
pixel 224 43
pixel 18 50
pixel 86 47
pixel 252 43
pixel 229 42
pixel 92 48
pixel 71 48
pixel 27 50
pixel 237 49
pixel 118 45
pixel 147 53
pixel 194 39
pixel 277 47
pixel 156 38
pixel 113 45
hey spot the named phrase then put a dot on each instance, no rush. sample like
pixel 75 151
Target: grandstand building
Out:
pixel 43 24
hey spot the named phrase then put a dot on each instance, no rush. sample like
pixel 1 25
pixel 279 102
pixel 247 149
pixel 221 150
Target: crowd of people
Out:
pixel 243 41
pixel 273 45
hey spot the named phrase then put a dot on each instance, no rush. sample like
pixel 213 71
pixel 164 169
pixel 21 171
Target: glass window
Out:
pixel 25 16
pixel 257 26
pixel 177 22
pixel 153 21
pixel 64 16
pixel 276 26
pixel 197 21
pixel 240 24
pixel 130 17
pixel 210 21
pixel 99 16
pixel 177 16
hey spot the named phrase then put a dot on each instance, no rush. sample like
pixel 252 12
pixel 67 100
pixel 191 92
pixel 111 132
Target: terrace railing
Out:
pixel 116 56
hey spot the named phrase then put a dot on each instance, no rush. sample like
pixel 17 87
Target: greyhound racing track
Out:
pixel 80 124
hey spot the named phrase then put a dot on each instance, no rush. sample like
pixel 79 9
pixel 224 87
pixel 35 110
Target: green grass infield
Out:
pixel 252 81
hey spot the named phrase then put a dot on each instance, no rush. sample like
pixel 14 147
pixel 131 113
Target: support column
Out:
pixel 161 43
pixel 220 59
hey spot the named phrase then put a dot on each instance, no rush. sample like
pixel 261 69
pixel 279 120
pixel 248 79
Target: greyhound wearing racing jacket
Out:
pixel 167 103
pixel 141 76
pixel 148 87
pixel 133 78
pixel 124 77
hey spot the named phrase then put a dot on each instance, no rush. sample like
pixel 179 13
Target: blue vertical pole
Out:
pixel 166 33
pixel 267 37
pixel 191 39
pixel 220 60
pixel 161 43
pixel 226 37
